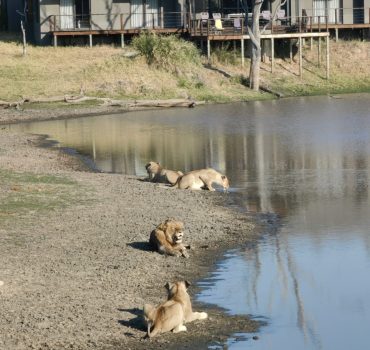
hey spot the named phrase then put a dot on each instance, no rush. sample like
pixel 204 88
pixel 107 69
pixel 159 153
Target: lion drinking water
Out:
pixel 173 313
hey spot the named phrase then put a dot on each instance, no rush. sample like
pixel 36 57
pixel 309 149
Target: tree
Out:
pixel 23 26
pixel 255 35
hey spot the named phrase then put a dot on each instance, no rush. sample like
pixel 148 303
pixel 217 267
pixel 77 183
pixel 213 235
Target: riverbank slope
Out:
pixel 75 259
pixel 111 72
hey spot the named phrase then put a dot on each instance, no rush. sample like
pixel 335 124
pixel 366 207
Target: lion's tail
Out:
pixel 176 184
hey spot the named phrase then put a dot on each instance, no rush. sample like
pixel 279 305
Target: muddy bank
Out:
pixel 74 256
pixel 12 115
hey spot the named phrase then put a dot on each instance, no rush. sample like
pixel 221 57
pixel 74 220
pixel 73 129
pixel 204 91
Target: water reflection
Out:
pixel 306 160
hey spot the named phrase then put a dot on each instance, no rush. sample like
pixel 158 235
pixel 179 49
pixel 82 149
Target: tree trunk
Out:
pixel 24 39
pixel 254 32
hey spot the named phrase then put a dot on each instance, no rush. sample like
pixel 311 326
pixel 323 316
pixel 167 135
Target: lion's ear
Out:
pixel 187 284
pixel 168 286
pixel 223 177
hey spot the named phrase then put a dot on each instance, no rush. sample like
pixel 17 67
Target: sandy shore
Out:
pixel 74 256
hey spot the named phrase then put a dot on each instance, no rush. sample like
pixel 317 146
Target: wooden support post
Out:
pixel 55 40
pixel 234 43
pixel 209 50
pixel 90 40
pixel 319 52
pixel 162 15
pixel 327 58
pixel 291 50
pixel 272 54
pixel 122 40
pixel 300 57
pixel 201 45
pixel 242 50
pixel 336 35
pixel 311 43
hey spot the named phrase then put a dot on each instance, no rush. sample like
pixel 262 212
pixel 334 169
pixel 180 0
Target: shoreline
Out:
pixel 10 116
pixel 79 264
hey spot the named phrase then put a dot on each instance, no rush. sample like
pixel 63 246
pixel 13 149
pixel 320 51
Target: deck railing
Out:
pixel 238 25
pixel 230 23
pixel 344 15
pixel 116 21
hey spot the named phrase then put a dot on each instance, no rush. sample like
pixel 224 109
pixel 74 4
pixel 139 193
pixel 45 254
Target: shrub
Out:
pixel 166 52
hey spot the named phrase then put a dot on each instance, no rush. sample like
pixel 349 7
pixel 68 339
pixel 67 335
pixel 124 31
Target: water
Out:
pixel 306 161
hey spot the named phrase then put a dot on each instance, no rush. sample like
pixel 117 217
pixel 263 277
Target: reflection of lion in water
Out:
pixel 158 174
pixel 202 179
pixel 173 313
pixel 167 238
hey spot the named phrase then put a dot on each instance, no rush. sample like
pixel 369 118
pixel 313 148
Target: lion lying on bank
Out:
pixel 173 313
pixel 202 179
pixel 167 238
pixel 158 174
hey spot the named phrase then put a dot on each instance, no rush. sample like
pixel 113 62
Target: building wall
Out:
pixel 347 9
pixel 14 19
pixel 106 14
pixel 47 8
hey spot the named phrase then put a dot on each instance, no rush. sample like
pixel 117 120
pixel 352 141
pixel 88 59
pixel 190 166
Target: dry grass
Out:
pixel 104 71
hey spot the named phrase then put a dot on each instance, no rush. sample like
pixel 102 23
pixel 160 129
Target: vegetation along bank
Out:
pixel 154 68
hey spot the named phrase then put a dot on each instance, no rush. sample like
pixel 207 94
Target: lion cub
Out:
pixel 158 174
pixel 202 179
pixel 167 238
pixel 173 313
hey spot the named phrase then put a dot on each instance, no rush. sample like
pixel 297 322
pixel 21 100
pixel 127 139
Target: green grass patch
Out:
pixel 24 194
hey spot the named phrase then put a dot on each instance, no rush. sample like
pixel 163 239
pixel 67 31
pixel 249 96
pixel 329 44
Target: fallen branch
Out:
pixel 108 102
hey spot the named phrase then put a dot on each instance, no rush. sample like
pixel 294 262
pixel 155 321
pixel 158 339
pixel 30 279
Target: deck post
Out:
pixel 311 43
pixel 336 35
pixel 300 57
pixel 291 50
pixel 90 40
pixel 209 50
pixel 319 52
pixel 201 45
pixel 55 40
pixel 122 40
pixel 272 54
pixel 242 50
pixel 327 58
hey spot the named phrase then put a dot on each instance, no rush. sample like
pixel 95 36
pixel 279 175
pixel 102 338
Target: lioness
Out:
pixel 158 174
pixel 173 313
pixel 167 238
pixel 202 179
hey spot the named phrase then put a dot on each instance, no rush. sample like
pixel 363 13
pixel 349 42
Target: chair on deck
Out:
pixel 237 24
pixel 204 16
pixel 265 17
pixel 218 23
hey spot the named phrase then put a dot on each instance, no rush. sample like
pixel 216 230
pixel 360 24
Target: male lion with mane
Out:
pixel 173 313
pixel 167 238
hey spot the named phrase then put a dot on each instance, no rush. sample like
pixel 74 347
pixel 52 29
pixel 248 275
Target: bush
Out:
pixel 167 52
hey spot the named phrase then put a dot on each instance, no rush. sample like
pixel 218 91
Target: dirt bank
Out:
pixel 74 256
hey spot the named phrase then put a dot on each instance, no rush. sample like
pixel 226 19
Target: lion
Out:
pixel 158 174
pixel 173 313
pixel 167 238
pixel 202 179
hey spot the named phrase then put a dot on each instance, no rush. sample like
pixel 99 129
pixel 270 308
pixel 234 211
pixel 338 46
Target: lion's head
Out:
pixel 174 231
pixel 175 287
pixel 153 167
pixel 225 182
